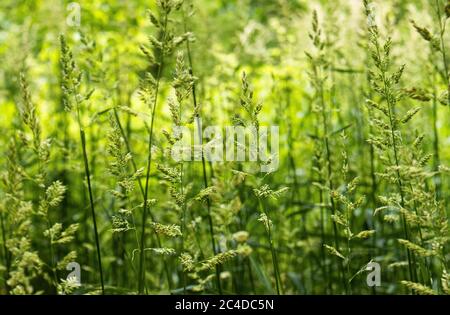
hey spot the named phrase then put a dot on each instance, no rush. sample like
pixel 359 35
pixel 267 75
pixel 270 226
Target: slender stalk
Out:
pixel 183 223
pixel 273 252
pixel 436 161
pixel 88 179
pixel 52 253
pixel 141 187
pixel 392 119
pixel 205 176
pixel 323 239
pixel 442 28
pixel 330 174
pixel 446 76
pixel 373 199
pixel 349 251
pixel 373 191
pixel 5 251
pixel 422 242
pixel 391 114
pixel 128 146
pixel 149 164
pixel 250 274
pixel 91 202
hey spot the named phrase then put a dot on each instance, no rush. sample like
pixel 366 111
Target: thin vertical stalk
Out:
pixel 91 202
pixel 323 265
pixel 330 174
pixel 250 274
pixel 373 199
pixel 141 188
pixel 373 192
pixel 436 161
pixel 205 176
pixel 5 251
pixel 149 163
pixel 442 27
pixel 88 179
pixel 422 242
pixel 392 122
pixel 52 253
pixel 183 224
pixel 273 251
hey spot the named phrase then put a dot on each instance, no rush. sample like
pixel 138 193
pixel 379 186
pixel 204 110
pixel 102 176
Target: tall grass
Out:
pixel 71 80
pixel 363 174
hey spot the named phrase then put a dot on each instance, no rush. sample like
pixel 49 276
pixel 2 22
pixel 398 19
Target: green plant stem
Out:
pixel 52 253
pixel 5 251
pixel 91 202
pixel 330 174
pixel 322 223
pixel 128 146
pixel 250 274
pixel 273 251
pixel 392 125
pixel 88 179
pixel 436 149
pixel 446 76
pixel 183 224
pixel 205 177
pixel 141 188
pixel 442 27
pixel 149 163
pixel 373 190
pixel 422 242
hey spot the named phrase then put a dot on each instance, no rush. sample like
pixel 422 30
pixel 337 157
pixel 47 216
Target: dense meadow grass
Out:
pixel 119 174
